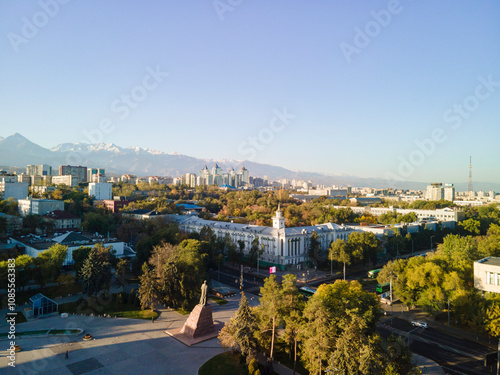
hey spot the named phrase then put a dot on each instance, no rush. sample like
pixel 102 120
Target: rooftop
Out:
pixel 494 261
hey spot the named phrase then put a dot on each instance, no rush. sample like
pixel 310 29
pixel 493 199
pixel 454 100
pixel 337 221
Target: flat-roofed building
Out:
pixel 487 274
pixel 67 180
pixel 39 206
pixel 100 190
pixel 38 170
pixel 16 190
pixel 75 171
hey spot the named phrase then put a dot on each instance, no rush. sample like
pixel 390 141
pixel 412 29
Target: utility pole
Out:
pixel 390 291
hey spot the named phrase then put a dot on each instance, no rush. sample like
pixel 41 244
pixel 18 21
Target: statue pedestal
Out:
pixel 199 323
pixel 199 327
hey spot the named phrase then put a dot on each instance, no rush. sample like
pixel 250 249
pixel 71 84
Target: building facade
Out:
pixel 16 190
pixel 67 180
pixel 38 170
pixel 100 191
pixel 76 171
pixel 487 275
pixel 39 206
pixel 282 246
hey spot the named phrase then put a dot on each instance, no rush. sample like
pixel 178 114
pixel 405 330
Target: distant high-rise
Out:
pixel 449 192
pixel 39 170
pixel 471 188
pixel 75 171
pixel 435 192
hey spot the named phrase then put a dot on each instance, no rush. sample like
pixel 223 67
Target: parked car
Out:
pixel 419 324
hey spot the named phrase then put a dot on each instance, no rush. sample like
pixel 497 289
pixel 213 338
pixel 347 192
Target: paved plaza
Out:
pixel 120 346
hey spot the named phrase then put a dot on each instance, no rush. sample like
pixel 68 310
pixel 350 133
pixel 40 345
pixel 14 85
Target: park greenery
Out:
pixel 334 329
pixel 446 278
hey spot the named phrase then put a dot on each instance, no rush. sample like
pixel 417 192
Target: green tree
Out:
pixel 239 332
pixel 148 289
pixel 79 257
pixel 96 271
pixel 364 245
pixel 314 246
pixel 122 272
pixel 340 252
pixel 268 312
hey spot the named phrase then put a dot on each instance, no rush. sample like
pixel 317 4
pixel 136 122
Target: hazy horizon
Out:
pixel 403 90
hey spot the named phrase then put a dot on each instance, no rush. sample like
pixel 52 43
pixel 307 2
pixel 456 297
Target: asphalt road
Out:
pixel 461 355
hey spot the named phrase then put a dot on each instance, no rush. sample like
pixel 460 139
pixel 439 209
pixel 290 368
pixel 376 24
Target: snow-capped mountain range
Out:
pixel 18 151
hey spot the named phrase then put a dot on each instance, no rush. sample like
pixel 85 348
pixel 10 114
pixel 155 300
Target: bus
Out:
pixel 382 288
pixel 306 291
pixel 373 273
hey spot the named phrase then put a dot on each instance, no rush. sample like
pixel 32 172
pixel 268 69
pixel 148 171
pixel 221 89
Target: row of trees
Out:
pixel 335 330
pixel 361 247
pixel 447 276
pixel 43 269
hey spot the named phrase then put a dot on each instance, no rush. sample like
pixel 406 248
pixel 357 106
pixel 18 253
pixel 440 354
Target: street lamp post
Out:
pixel 431 241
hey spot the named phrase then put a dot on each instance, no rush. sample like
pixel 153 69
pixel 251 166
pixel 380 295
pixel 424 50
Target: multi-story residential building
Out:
pixel 96 175
pixel 63 220
pixel 188 179
pixel 39 206
pixel 38 170
pixel 487 274
pixel 282 246
pixel 16 190
pixel 41 180
pixel 435 192
pixel 449 192
pixel 128 178
pixel 24 178
pixel 160 180
pixel 67 180
pixel 75 171
pixel 100 191
pixel 41 189
pixel 115 205
pixel 215 176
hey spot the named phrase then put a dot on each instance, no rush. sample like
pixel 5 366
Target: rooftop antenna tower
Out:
pixel 471 188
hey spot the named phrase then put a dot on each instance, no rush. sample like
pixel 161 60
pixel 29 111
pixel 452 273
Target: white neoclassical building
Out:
pixel 282 246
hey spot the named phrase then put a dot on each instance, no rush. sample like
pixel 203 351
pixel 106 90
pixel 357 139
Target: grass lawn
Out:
pixel 120 310
pixel 227 363
pixel 181 311
pixel 28 333
pixel 63 331
pixel 218 300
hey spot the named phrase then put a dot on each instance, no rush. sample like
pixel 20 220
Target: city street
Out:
pixel 461 355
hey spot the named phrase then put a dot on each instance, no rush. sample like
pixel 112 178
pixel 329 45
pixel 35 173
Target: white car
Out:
pixel 419 324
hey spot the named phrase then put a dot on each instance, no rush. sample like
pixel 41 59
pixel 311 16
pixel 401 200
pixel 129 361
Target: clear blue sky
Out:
pixel 230 70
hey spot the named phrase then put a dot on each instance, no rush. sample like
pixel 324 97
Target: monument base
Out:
pixel 199 327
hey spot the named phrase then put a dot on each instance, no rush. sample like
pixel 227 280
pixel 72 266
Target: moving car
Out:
pixel 419 324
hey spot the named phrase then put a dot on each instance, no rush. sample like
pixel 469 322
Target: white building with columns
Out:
pixel 282 246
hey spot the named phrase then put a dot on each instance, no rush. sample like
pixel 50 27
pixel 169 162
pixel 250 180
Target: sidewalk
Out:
pixel 428 366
